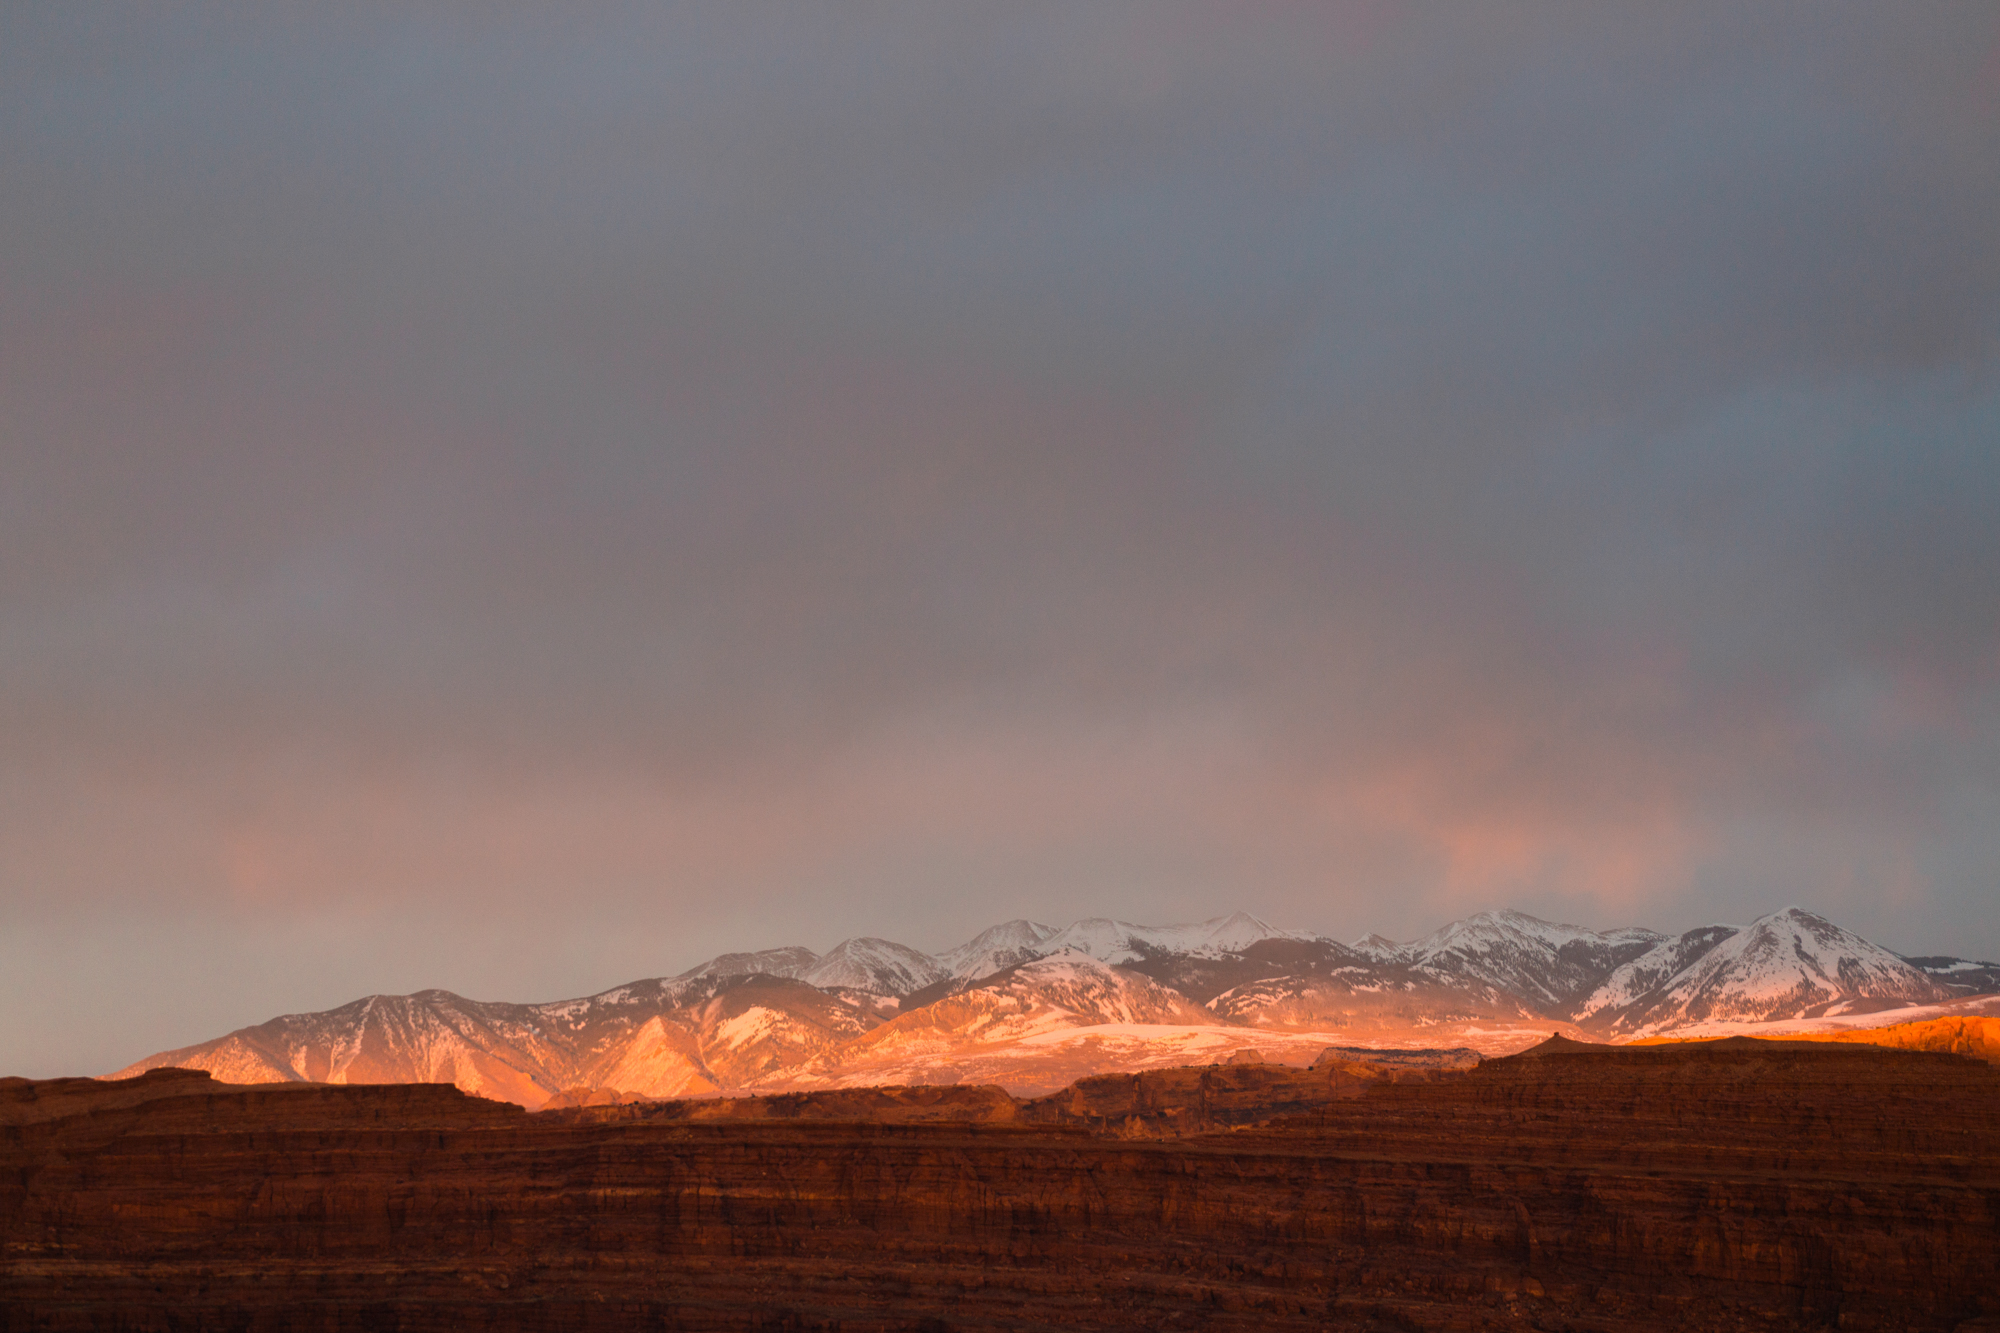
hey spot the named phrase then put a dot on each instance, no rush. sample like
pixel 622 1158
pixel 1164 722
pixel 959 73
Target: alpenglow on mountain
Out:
pixel 1032 1007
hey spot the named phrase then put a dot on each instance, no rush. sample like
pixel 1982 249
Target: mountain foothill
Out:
pixel 1031 1008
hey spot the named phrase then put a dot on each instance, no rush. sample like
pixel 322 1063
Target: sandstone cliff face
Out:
pixel 1961 1034
pixel 1728 1185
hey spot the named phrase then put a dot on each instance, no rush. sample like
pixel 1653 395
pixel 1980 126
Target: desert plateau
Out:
pixel 1707 1185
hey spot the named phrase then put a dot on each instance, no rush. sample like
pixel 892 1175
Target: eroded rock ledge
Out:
pixel 1737 1184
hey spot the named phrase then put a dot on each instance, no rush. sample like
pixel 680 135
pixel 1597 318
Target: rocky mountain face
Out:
pixel 1032 1007
pixel 1723 1186
pixel 1548 966
pixel 879 967
pixel 996 949
pixel 1792 964
pixel 1960 975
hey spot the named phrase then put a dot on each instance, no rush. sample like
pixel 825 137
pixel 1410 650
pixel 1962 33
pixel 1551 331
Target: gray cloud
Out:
pixel 668 480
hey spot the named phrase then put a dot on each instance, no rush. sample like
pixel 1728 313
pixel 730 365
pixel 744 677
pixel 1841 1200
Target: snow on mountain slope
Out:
pixel 1381 948
pixel 1549 965
pixel 881 967
pixel 1386 999
pixel 757 1019
pixel 1790 964
pixel 1238 930
pixel 752 1029
pixel 792 961
pixel 1897 1016
pixel 1122 942
pixel 1103 939
pixel 661 1059
pixel 1963 975
pixel 236 1058
pixel 995 949
pixel 1067 989
pixel 659 1037
pixel 1632 981
pixel 1203 975
pixel 498 1051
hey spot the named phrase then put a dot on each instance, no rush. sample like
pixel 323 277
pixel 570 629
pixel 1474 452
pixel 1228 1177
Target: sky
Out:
pixel 521 502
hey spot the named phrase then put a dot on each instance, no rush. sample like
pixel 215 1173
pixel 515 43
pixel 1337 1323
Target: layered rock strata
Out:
pixel 1158 1103
pixel 1734 1184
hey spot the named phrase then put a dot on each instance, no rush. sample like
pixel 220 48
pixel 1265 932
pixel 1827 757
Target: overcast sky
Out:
pixel 519 500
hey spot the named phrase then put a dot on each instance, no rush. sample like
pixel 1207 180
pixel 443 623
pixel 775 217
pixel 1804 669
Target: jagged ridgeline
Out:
pixel 1031 1008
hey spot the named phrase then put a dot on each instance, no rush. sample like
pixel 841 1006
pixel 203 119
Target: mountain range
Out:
pixel 1032 1007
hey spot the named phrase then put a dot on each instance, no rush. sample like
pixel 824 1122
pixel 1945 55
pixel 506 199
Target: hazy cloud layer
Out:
pixel 518 503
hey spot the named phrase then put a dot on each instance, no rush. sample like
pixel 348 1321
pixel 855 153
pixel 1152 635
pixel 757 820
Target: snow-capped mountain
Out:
pixel 1393 999
pixel 1380 947
pixel 1633 981
pixel 1062 990
pixel 748 1031
pixel 1548 965
pixel 1122 942
pixel 661 1037
pixel 1095 996
pixel 1790 964
pixel 996 949
pixel 879 967
pixel 793 961
pixel 494 1050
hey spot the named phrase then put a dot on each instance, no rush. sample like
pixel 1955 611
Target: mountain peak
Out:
pixel 876 966
pixel 1791 963
pixel 1238 930
pixel 791 961
pixel 995 949
pixel 1551 964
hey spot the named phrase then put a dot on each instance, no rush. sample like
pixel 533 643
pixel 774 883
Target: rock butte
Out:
pixel 1729 1184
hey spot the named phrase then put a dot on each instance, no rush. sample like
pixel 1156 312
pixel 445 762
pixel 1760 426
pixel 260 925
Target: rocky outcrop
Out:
pixel 1453 1058
pixel 1725 1185
pixel 1961 1034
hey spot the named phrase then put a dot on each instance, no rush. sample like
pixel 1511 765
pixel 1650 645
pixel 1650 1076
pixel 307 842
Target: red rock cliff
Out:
pixel 1724 1186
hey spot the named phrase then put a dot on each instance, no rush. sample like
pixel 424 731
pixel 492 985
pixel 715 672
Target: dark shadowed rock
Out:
pixel 1732 1185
